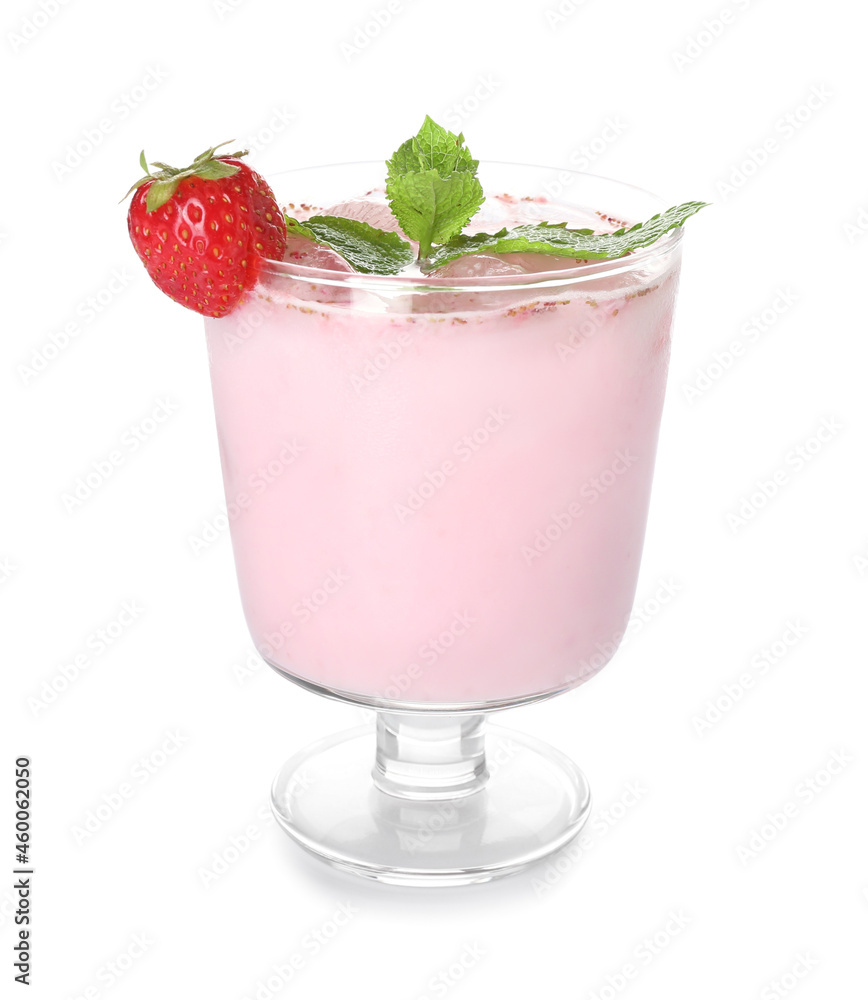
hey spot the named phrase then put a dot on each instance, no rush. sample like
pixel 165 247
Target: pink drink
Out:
pixel 437 498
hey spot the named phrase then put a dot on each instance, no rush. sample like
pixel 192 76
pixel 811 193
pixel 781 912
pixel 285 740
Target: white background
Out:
pixel 786 237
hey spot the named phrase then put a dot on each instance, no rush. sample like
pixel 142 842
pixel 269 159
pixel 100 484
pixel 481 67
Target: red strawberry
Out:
pixel 201 232
pixel 270 224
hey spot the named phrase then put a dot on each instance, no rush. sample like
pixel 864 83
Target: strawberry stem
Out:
pixel 164 183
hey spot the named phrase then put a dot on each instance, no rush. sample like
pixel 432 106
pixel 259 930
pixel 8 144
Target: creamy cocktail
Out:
pixel 463 516
pixel 437 409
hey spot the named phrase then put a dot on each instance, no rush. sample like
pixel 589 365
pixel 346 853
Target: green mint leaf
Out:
pixel 557 240
pixel 432 185
pixel 433 148
pixel 367 249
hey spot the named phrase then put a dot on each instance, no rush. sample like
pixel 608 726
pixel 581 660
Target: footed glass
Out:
pixel 437 490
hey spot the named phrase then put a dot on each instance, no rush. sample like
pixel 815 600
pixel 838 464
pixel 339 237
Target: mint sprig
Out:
pixel 368 249
pixel 434 192
pixel 557 240
pixel 432 186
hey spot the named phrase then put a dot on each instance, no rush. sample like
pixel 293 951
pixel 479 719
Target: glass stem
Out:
pixel 430 756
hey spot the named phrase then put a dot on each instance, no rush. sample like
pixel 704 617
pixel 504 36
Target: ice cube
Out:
pixel 533 263
pixel 504 210
pixel 306 253
pixel 375 213
pixel 479 265
pixel 478 295
pixel 309 254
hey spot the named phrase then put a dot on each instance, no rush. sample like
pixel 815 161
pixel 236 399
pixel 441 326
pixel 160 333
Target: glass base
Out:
pixel 445 804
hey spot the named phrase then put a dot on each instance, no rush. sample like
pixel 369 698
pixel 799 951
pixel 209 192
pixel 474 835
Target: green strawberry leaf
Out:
pixel 209 153
pixel 555 239
pixel 160 192
pixel 213 170
pixel 367 249
pixel 167 178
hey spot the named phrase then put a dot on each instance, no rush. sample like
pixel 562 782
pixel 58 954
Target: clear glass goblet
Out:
pixel 437 490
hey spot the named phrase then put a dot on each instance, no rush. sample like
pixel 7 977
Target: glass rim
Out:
pixel 663 247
